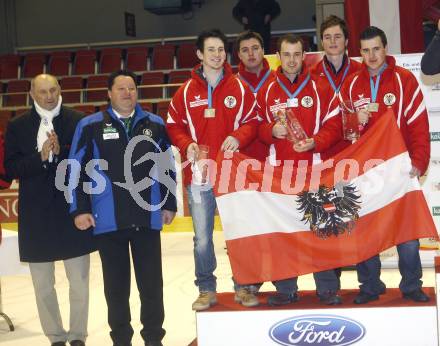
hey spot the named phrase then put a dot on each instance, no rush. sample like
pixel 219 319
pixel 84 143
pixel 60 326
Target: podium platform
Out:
pixel 389 321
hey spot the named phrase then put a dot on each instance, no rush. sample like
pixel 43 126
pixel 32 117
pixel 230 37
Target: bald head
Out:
pixel 45 90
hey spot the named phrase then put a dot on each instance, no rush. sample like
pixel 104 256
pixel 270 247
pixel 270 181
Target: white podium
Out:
pixel 390 321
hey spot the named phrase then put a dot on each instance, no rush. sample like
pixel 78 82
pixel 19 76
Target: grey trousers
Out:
pixel 43 279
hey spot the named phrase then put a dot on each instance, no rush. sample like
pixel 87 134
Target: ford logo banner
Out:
pixel 322 330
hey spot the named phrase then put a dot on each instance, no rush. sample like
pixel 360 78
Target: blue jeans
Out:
pixel 410 268
pixel 325 281
pixel 202 206
pixel 254 288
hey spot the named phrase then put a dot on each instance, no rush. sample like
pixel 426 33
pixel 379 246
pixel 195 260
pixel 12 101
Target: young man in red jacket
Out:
pixel 335 66
pixel 213 108
pixel 255 71
pixel 379 85
pixel 294 88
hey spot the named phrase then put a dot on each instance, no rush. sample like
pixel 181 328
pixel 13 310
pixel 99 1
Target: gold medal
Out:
pixel 292 103
pixel 373 107
pixel 209 113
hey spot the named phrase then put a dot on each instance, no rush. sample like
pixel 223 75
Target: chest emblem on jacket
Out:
pixel 230 101
pixel 362 102
pixel 307 101
pixel 148 133
pixel 277 106
pixel 389 99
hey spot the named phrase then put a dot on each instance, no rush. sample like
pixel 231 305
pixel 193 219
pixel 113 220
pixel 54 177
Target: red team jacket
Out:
pixel 234 114
pixel 318 119
pixel 398 89
pixel 257 148
pixel 338 78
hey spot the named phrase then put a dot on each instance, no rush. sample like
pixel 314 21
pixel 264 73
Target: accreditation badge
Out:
pixel 373 107
pixel 110 132
pixel 209 113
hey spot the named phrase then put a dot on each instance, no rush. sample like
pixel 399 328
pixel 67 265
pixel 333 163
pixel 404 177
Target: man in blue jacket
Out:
pixel 124 189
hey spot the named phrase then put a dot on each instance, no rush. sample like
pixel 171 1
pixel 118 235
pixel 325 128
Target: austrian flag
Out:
pixel 293 219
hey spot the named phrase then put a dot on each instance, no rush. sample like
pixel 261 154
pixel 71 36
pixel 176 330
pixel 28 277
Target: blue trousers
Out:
pixel 410 268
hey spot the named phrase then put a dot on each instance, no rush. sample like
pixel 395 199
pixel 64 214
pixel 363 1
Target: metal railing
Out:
pixel 166 95
pixel 152 41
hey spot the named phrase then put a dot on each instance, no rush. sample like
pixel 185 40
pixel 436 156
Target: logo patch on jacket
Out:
pixel 389 99
pixel 230 101
pixel 148 132
pixel 361 103
pixel 277 106
pixel 307 101
pixel 198 102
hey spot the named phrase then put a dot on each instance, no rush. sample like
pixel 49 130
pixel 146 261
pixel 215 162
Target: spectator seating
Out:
pixel 84 62
pixel 59 63
pixel 33 64
pixel 177 76
pixel 162 109
pixel 9 66
pixel 163 57
pixel 20 111
pixel 150 78
pixel 16 86
pixel 86 109
pixel 71 83
pixel 147 106
pixel 110 60
pixel 98 81
pixel 5 115
pixel 186 56
pixel 136 59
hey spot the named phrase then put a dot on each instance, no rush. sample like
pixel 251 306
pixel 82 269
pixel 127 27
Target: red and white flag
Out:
pixel 281 222
pixel 401 20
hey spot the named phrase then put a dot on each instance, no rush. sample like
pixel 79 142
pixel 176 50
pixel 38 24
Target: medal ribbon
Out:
pixel 260 84
pixel 211 89
pixel 330 79
pixel 297 91
pixel 374 87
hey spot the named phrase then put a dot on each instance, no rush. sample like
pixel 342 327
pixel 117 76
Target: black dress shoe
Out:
pixel 279 299
pixel 364 298
pixel 417 296
pixel 58 343
pixel 330 298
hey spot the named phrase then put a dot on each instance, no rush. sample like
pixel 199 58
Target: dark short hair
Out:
pixel 289 38
pixel 215 33
pixel 334 21
pixel 114 75
pixel 372 32
pixel 247 35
